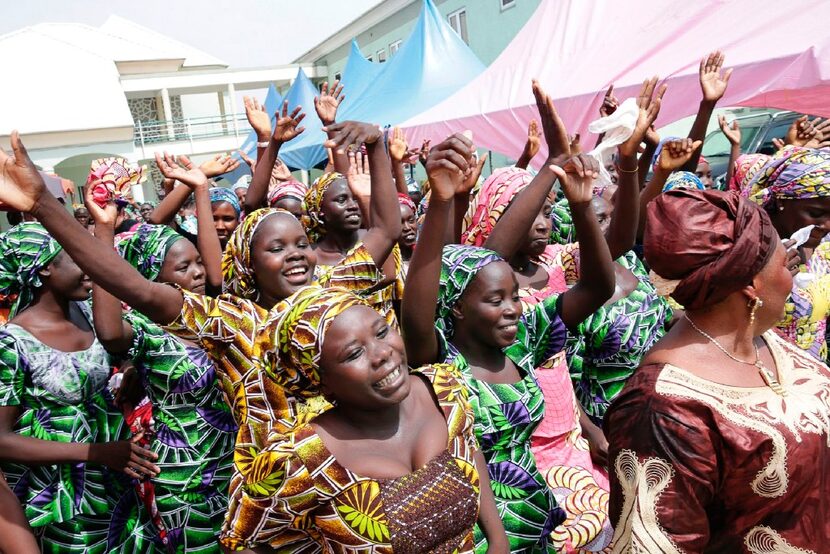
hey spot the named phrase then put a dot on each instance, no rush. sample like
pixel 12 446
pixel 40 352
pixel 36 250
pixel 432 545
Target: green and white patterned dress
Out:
pixel 194 435
pixel 63 397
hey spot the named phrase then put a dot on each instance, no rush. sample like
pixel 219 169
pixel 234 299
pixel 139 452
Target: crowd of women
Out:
pixel 605 355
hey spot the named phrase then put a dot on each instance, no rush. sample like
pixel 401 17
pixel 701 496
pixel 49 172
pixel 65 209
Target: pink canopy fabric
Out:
pixel 780 52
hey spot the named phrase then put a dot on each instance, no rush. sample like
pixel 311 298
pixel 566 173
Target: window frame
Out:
pixel 463 33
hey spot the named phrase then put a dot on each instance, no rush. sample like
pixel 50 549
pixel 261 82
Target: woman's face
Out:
pixel 409 227
pixel 290 204
pixel 241 193
pixel 183 266
pixel 145 210
pixel 603 210
pixel 489 309
pixel 539 234
pixel 82 216
pixel 773 284
pixel 613 174
pixel 281 257
pixel 225 219
pixel 704 173
pixel 797 214
pixel 66 280
pixel 340 209
pixel 363 361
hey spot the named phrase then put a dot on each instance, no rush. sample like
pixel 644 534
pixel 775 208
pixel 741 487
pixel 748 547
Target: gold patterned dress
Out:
pixel 295 489
pixel 702 467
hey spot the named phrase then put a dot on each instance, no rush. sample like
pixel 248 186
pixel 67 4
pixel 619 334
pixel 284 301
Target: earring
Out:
pixel 781 208
pixel 754 305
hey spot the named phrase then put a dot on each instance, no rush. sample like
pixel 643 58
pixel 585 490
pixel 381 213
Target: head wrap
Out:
pixel 240 184
pixel 793 173
pixel 287 189
pixel 683 180
pixel 746 167
pixel 146 247
pixel 313 220
pixel 713 243
pixel 702 160
pixel 298 325
pixel 237 273
pixel 221 194
pixel 113 178
pixel 24 250
pixel 405 200
pixel 459 266
pixel 492 200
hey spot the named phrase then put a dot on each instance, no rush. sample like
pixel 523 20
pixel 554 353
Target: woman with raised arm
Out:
pixel 481 330
pixel 719 441
pixel 191 428
pixel 393 467
pixel 60 433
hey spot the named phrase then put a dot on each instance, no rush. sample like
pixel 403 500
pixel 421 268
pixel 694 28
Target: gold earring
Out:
pixel 754 305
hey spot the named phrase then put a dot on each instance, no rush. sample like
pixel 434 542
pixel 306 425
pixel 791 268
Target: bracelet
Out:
pixel 621 170
pixel 263 144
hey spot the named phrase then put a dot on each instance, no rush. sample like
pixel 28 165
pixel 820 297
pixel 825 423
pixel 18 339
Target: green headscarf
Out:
pixel 24 250
pixel 146 247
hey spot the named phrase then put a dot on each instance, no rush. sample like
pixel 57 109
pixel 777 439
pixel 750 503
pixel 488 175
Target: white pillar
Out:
pixel 168 113
pixel 304 176
pixel 232 99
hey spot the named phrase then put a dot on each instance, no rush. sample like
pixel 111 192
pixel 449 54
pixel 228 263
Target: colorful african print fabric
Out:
pixel 562 231
pixel 295 489
pixel 63 397
pixel 683 180
pixel 25 249
pixel 193 432
pixel 793 173
pixel 277 190
pixel 746 167
pixel 113 179
pixel 702 467
pixel 606 348
pixel 493 198
pixel 314 225
pixel 146 247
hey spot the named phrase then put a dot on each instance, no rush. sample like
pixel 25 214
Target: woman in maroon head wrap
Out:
pixel 719 441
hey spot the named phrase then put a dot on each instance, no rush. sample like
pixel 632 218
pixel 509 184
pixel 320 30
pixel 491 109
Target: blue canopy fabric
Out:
pixel 305 151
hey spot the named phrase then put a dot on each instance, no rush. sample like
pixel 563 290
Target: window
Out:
pixel 507 4
pixel 336 76
pixel 458 22
pixel 381 55
pixel 394 47
pixel 370 58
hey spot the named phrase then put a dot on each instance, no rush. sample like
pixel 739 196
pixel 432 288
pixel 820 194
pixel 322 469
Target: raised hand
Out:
pixel 448 165
pixel 609 103
pixel 104 216
pixel 577 176
pixel 280 171
pixel 822 138
pixel 220 164
pixel 475 172
pixel 189 175
pixel 652 137
pixel 398 148
pixel 288 124
pixel 648 104
pixel 778 144
pixel 351 133
pixel 573 144
pixel 423 153
pixel 258 118
pixel 248 160
pixel 555 133
pixel 713 82
pixel 534 139
pixel 675 153
pixel 800 132
pixel 21 186
pixel 359 176
pixel 732 133
pixel 327 103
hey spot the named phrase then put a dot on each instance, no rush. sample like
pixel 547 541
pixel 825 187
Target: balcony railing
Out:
pixel 189 129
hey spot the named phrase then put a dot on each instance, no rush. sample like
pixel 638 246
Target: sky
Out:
pixel 243 33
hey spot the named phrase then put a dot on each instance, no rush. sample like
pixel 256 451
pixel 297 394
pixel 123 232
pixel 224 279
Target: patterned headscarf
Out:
pixel 298 326
pixel 746 167
pixel 793 173
pixel 492 200
pixel 313 204
pixel 146 247
pixel 683 180
pixel 221 194
pixel 113 178
pixel 459 266
pixel 24 250
pixel 237 273
pixel 287 189
pixel 405 200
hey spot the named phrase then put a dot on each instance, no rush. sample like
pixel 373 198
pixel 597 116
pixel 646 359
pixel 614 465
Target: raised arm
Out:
pixel 326 107
pixel 609 105
pixel 22 188
pixel 622 231
pixel 260 122
pixel 286 129
pixel 512 228
pixel 713 83
pixel 447 165
pixel 398 151
pixel 461 202
pixel 652 141
pixel 385 227
pixel 733 135
pixel 534 142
